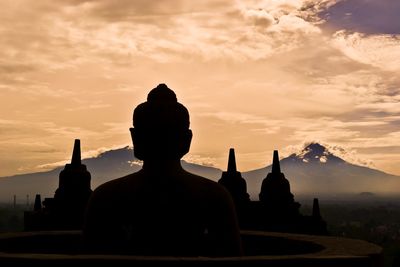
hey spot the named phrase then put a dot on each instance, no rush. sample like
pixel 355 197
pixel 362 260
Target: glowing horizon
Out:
pixel 255 75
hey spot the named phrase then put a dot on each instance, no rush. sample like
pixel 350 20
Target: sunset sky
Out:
pixel 255 75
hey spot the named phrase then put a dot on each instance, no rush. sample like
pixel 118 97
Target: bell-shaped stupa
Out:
pixel 66 210
pixel 275 190
pixel 74 183
pixel 234 182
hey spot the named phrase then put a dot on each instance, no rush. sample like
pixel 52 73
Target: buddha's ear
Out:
pixel 184 143
pixel 137 146
pixel 132 130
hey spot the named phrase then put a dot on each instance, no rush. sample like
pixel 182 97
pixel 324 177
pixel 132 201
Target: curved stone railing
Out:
pixel 261 249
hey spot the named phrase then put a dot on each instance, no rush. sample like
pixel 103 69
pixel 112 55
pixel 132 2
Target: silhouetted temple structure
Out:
pixel 165 211
pixel 66 209
pixel 38 203
pixel 275 192
pixel 276 210
pixel 236 185
pixel 234 182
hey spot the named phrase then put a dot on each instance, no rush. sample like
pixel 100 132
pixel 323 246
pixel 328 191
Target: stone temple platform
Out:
pixel 261 249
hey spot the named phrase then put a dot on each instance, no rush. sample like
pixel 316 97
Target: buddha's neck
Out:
pixel 162 166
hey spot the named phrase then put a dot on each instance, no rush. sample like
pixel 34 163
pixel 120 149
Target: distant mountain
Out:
pixel 314 170
pixel 107 166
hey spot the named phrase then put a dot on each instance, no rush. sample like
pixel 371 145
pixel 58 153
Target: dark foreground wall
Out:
pixel 261 249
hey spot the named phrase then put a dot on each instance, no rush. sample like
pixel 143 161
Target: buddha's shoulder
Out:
pixel 206 185
pixel 117 185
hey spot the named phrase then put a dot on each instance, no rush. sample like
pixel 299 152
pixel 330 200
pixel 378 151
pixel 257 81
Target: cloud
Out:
pixel 30 144
pixel 118 30
pixel 90 107
pixel 392 106
pixel 350 155
pixel 85 155
pixel 256 74
pixel 12 68
pixel 381 51
pixel 342 136
pixel 260 17
pixel 389 139
pixel 252 122
pixel 344 152
pixel 200 159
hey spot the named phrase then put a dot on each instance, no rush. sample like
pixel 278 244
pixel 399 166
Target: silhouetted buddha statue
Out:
pixel 162 209
pixel 275 190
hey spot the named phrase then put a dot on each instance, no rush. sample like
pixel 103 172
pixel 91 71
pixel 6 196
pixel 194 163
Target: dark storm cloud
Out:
pixel 366 16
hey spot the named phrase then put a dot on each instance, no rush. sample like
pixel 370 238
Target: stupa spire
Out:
pixel 76 154
pixel 316 213
pixel 232 161
pixel 234 182
pixel 276 167
pixel 38 203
